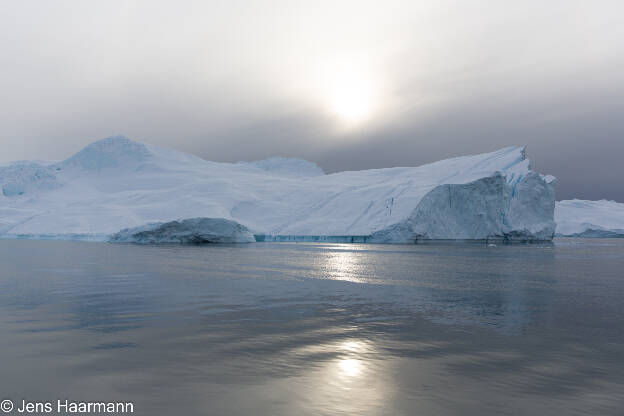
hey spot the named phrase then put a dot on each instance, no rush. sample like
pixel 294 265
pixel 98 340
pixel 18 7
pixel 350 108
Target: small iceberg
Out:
pixel 188 231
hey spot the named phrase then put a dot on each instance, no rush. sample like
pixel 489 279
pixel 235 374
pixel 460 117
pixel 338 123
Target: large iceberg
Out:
pixel 578 218
pixel 116 184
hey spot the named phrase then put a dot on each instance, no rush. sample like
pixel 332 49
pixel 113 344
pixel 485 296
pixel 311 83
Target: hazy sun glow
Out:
pixel 350 367
pixel 351 100
pixel 349 89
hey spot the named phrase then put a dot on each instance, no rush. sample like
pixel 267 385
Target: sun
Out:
pixel 351 102
pixel 348 89
pixel 352 98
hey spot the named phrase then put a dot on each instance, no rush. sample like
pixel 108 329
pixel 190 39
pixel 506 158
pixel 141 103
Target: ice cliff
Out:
pixel 116 183
pixel 578 218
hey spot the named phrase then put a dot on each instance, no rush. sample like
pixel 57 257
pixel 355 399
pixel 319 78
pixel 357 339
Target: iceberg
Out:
pixel 188 231
pixel 156 194
pixel 591 219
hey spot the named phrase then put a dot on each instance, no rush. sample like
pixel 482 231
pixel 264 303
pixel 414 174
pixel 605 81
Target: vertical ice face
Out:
pixel 116 183
pixel 489 207
pixel 532 207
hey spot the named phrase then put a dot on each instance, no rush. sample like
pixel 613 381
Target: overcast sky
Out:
pixel 347 84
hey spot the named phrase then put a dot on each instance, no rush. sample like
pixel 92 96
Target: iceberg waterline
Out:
pixel 116 183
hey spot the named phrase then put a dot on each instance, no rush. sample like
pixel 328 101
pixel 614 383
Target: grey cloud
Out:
pixel 235 81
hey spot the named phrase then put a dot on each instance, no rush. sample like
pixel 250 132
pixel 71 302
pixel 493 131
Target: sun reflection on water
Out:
pixel 345 265
pixel 350 367
pixel 352 362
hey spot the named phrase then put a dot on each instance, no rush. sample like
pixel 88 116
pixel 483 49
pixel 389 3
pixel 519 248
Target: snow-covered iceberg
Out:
pixel 601 219
pixel 116 183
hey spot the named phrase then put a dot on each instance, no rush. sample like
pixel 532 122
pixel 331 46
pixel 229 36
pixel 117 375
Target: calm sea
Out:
pixel 316 329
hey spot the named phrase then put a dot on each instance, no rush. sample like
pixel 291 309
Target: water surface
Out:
pixel 316 329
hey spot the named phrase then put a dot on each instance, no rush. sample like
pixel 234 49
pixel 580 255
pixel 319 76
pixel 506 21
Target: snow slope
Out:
pixel 116 183
pixel 287 166
pixel 578 218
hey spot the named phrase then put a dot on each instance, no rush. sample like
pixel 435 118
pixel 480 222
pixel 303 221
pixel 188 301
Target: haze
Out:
pixel 349 84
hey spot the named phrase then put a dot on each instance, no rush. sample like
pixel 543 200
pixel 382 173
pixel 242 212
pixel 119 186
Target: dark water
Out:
pixel 316 329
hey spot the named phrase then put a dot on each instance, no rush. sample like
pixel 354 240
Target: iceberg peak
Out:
pixel 108 152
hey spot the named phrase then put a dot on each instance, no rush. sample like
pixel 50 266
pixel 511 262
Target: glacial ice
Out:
pixel 579 218
pixel 116 183
pixel 188 231
pixel 20 177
